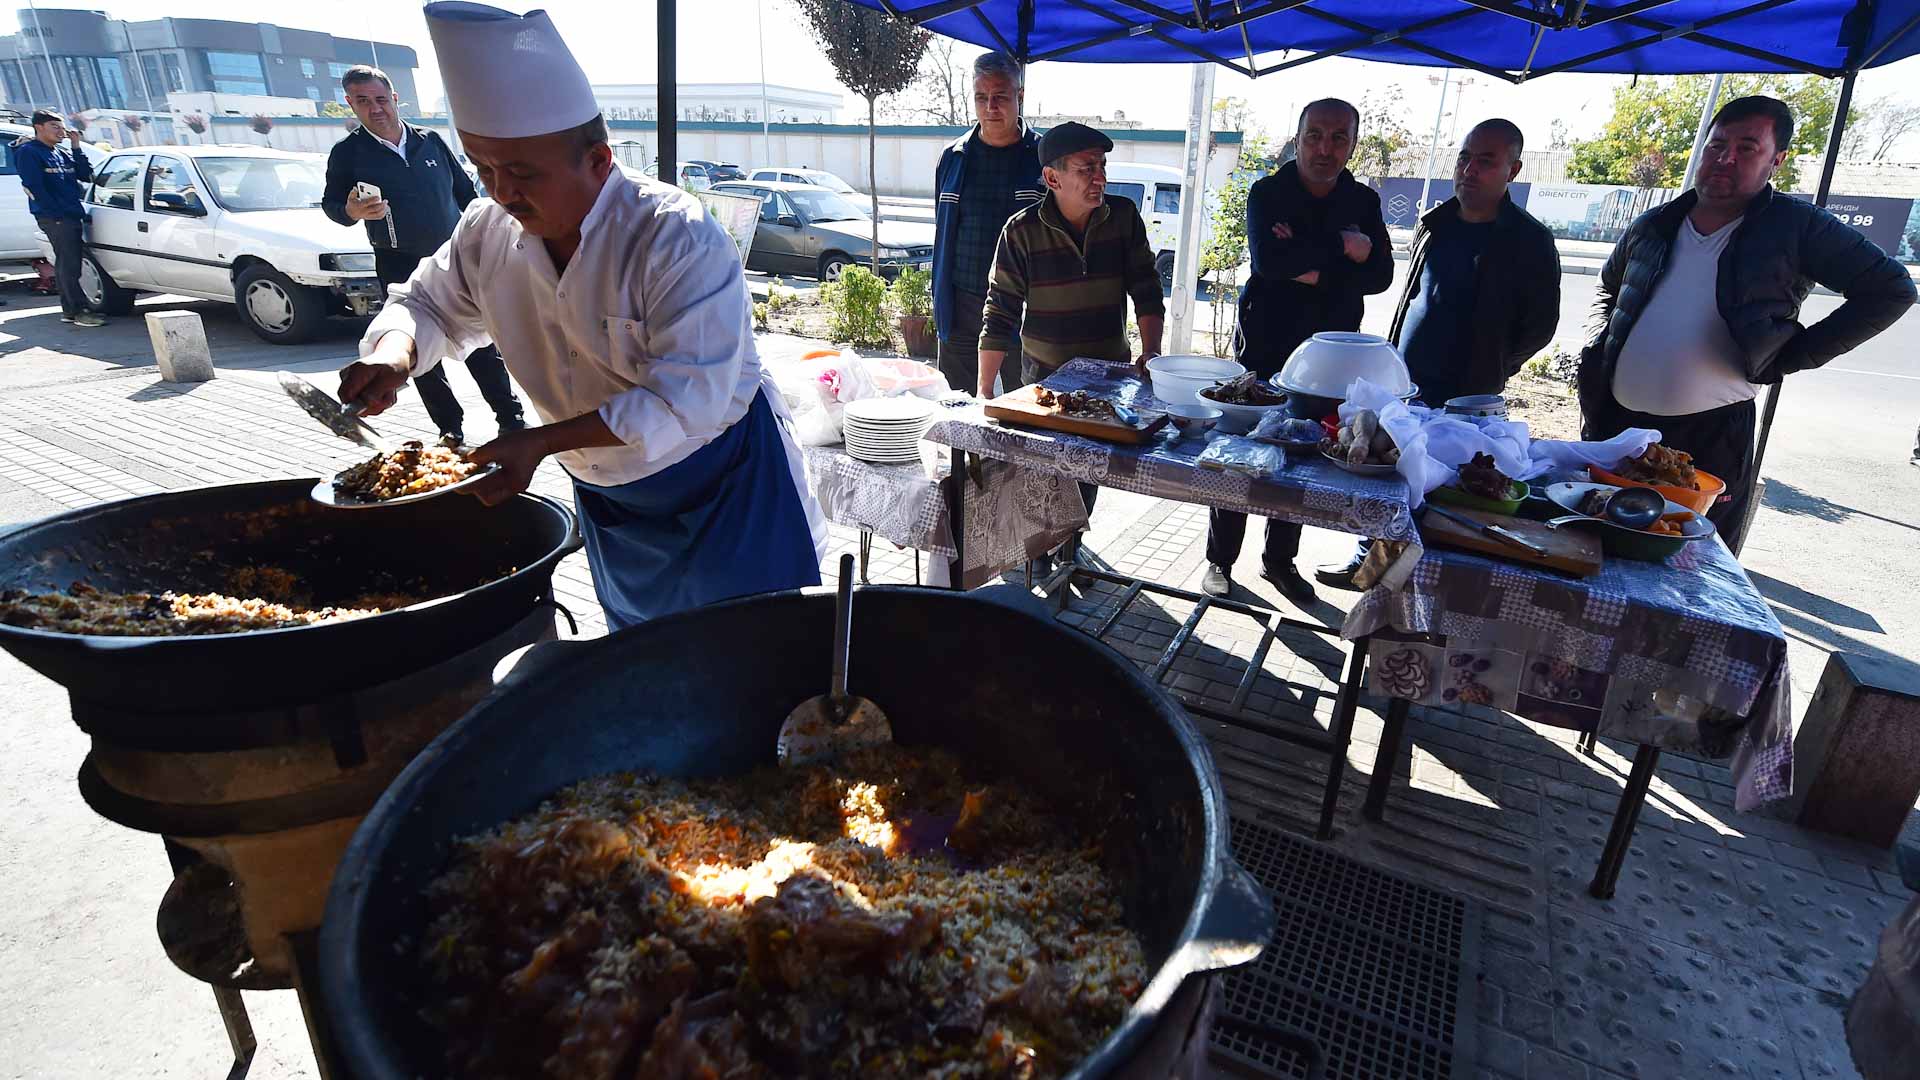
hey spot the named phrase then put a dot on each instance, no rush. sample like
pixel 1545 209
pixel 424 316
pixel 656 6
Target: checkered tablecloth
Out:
pixel 1307 491
pixel 1683 654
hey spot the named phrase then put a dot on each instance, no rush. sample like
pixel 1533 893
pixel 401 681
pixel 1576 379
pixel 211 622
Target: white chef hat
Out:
pixel 507 76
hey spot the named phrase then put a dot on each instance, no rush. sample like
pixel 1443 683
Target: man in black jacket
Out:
pixel 1483 287
pixel 1319 249
pixel 1699 304
pixel 423 191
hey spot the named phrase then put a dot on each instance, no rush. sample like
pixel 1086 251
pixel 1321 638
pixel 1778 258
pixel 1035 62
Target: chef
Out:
pixel 621 309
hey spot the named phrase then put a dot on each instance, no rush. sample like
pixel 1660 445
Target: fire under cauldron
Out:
pixel 254 755
pixel 703 693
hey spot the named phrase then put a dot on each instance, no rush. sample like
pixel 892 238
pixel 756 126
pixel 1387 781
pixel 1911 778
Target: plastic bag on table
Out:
pixel 817 388
pixel 897 376
pixel 1565 458
pixel 1232 453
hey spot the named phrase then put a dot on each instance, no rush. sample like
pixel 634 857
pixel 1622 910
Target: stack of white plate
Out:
pixel 886 431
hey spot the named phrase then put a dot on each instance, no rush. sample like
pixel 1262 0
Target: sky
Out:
pixel 615 43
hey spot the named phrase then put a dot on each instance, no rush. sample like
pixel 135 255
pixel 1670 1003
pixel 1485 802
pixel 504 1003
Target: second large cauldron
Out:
pixel 703 693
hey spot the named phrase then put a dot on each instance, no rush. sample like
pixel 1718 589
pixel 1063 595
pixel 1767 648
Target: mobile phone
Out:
pixel 365 190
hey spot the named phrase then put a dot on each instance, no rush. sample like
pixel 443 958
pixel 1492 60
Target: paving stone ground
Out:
pixel 1730 949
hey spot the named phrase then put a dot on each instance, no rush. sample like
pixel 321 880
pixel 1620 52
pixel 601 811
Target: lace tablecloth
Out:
pixel 1307 491
pixel 1013 513
pixel 1682 655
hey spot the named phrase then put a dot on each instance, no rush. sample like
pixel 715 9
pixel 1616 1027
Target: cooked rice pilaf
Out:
pixel 83 609
pixel 875 918
pixel 410 470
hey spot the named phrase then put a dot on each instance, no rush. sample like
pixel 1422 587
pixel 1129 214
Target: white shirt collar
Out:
pixel 399 147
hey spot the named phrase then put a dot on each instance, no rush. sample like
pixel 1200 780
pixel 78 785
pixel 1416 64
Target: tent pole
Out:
pixel 667 93
pixel 1706 121
pixel 1834 136
pixel 1193 190
pixel 1433 144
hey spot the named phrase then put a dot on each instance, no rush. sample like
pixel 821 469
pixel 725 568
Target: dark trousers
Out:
pixel 1721 442
pixel 67 235
pixel 488 370
pixel 959 359
pixel 1227 530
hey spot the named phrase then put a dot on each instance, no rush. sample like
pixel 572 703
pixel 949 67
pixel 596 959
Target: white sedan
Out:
pixel 238 224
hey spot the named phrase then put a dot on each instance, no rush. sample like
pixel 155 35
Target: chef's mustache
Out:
pixel 519 209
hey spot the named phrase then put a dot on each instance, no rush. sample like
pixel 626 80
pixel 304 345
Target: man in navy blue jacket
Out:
pixel 984 178
pixel 53 175
pixel 423 191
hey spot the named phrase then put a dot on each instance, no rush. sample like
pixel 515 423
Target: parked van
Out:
pixel 1155 189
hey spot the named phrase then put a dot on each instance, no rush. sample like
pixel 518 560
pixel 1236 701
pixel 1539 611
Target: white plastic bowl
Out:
pixel 1327 363
pixel 1194 419
pixel 1239 419
pixel 1179 378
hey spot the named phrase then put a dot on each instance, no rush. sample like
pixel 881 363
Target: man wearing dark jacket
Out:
pixel 1699 304
pixel 1483 288
pixel 988 175
pixel 53 176
pixel 1319 249
pixel 423 191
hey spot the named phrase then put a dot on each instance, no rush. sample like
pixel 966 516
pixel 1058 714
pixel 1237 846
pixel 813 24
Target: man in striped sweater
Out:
pixel 1065 267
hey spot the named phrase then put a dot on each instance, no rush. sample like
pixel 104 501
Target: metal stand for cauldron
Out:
pixel 251 873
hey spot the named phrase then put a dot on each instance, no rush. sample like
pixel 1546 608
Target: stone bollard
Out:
pixel 1856 756
pixel 180 345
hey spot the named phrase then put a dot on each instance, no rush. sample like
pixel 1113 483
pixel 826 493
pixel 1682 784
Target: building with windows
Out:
pixel 99 62
pixel 722 103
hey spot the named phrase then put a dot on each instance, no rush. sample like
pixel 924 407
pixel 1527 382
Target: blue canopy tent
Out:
pixel 1510 40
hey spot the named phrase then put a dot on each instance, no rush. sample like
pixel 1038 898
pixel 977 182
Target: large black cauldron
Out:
pixel 702 693
pixel 487 569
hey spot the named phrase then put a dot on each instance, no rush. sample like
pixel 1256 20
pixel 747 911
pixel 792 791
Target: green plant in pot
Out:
pixel 857 308
pixel 912 296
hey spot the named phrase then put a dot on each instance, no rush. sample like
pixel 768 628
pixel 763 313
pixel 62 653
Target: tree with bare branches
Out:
pixel 942 93
pixel 873 55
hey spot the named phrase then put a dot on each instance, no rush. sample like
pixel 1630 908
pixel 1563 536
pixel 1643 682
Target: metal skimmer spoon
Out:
pixel 836 722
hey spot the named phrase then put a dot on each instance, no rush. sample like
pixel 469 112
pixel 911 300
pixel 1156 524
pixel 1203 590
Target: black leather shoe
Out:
pixel 1290 583
pixel 1339 575
pixel 512 423
pixel 1216 582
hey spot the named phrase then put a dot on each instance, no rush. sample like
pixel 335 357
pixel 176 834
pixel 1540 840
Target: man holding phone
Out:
pixel 410 190
pixel 54 177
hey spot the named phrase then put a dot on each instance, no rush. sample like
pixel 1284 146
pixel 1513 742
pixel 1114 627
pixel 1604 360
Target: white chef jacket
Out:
pixel 651 326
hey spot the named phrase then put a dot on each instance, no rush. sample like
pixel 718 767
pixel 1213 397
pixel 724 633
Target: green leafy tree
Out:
pixel 1382 135
pixel 1657 118
pixel 873 55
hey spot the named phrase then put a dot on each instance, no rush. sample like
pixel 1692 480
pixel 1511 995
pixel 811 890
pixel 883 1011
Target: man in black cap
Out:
pixel 1319 248
pixel 1064 269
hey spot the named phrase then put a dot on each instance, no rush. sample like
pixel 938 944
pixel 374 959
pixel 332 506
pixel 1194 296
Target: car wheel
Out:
pixel 276 309
pixel 1164 266
pixel 102 294
pixel 832 265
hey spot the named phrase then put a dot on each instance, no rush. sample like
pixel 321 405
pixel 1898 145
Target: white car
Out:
pixel 693 175
pixel 1156 191
pixel 238 224
pixel 787 174
pixel 19 236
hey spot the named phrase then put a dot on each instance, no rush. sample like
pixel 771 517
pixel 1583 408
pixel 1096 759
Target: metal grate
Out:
pixel 1368 964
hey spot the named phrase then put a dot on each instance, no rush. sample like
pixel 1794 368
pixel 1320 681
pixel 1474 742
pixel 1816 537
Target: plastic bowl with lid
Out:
pixel 1178 378
pixel 1325 364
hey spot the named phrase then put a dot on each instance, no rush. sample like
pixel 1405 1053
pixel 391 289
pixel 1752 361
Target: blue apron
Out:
pixel 725 522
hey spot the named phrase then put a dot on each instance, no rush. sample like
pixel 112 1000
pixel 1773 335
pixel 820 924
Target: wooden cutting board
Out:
pixel 1020 408
pixel 1572 551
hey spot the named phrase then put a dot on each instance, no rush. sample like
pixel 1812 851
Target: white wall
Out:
pixel 906 160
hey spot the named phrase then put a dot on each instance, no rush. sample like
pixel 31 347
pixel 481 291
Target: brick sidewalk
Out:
pixel 1489 806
